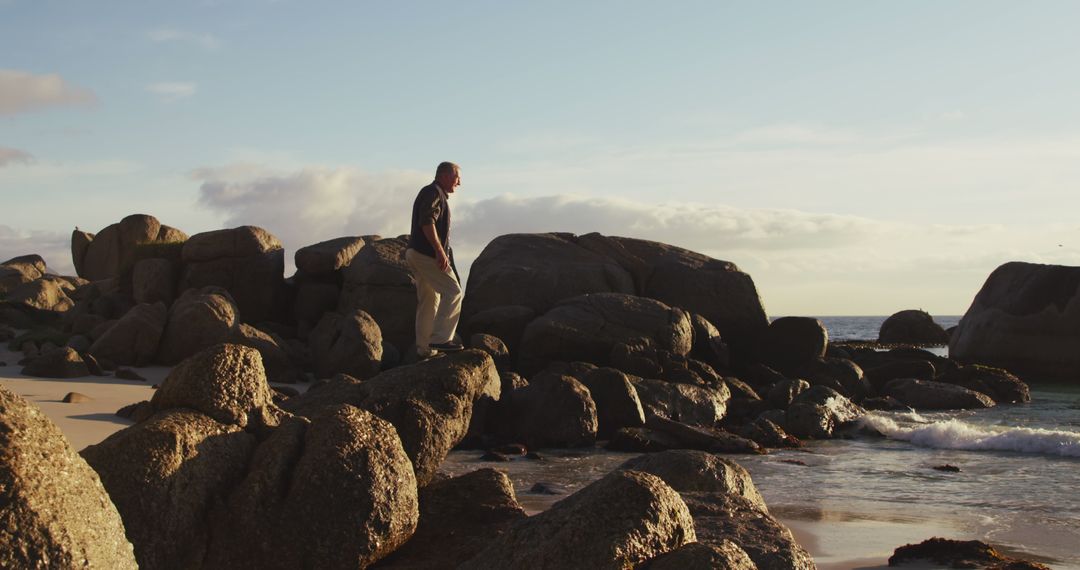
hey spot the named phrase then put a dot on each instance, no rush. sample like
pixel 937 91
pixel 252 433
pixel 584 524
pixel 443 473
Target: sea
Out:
pixel 851 502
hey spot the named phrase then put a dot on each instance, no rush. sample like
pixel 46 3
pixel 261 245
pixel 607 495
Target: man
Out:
pixel 438 290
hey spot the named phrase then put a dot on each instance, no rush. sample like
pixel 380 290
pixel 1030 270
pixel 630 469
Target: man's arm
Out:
pixel 433 239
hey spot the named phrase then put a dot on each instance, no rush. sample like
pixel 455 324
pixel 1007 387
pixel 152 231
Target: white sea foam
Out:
pixel 956 434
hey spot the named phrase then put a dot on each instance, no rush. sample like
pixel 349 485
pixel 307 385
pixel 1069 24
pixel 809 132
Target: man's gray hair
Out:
pixel 446 167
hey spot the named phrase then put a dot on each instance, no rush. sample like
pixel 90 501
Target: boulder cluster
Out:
pixel 573 340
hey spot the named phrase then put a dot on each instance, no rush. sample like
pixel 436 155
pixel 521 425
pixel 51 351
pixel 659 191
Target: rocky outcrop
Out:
pixel 959 554
pixel 54 510
pixel 540 270
pixel 588 327
pixel 930 395
pixel 200 318
pixel 247 261
pixel 458 518
pixel 430 403
pixel 1025 319
pixel 346 344
pixel 106 254
pixel 226 382
pixel 553 411
pixel 339 491
pixel 134 339
pixel 619 521
pixel 725 505
pixel 164 475
pixel 378 282
pixel 912 327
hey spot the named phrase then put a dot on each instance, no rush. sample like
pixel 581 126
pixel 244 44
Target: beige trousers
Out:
pixel 438 300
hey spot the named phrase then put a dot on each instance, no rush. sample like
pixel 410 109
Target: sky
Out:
pixel 854 157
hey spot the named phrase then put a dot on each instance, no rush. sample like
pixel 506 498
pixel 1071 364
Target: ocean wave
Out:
pixel 957 434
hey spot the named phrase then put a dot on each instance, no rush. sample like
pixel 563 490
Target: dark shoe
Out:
pixel 446 346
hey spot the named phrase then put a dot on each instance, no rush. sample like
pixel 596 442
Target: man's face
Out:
pixel 448 181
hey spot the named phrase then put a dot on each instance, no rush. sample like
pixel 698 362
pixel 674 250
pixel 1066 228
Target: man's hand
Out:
pixel 442 260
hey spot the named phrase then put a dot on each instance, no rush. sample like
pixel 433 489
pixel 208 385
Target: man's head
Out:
pixel 448 176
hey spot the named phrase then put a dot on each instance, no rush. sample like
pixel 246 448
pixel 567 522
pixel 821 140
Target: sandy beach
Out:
pixel 83 423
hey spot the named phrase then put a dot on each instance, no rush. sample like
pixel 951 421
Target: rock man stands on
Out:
pixel 438 287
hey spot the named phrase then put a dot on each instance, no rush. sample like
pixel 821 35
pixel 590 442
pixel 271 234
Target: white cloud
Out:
pixel 169 35
pixel 13 156
pixel 54 247
pixel 169 91
pixel 312 204
pixel 23 92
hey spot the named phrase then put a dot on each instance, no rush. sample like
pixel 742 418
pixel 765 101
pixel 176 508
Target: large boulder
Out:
pixel 430 402
pixel 1025 319
pixel 588 327
pixel 725 505
pixel 200 318
pixel 930 395
pixel 133 340
pixel 697 405
pixel 109 252
pixel 378 282
pixel 553 411
pixel 54 511
pixel 248 262
pixel 458 518
pixel 912 327
pixel 337 492
pixel 226 382
pixel 349 344
pixel 540 270
pixel 164 475
pixel 791 342
pixel 619 521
